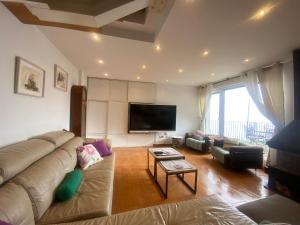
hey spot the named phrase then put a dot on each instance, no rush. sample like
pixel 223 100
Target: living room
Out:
pixel 194 103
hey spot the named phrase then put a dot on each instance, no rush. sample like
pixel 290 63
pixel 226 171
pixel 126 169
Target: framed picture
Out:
pixel 60 78
pixel 29 78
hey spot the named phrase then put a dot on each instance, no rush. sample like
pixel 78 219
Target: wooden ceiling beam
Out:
pixel 25 16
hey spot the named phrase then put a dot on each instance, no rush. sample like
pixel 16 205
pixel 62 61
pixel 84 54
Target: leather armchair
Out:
pixel 239 157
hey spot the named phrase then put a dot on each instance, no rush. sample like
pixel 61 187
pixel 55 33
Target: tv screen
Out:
pixel 152 118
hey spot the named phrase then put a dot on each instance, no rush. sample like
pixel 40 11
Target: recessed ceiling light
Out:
pixel 100 61
pixel 180 70
pixel 95 36
pixel 246 60
pixel 167 80
pixel 262 12
pixel 157 47
pixel 144 67
pixel 106 74
pixel 205 53
pixel 138 77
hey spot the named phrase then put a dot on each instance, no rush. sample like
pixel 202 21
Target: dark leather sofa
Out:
pixel 239 156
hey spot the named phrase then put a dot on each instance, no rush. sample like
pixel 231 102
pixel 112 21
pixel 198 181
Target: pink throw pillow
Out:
pixel 87 156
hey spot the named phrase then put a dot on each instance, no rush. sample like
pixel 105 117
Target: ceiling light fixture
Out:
pixel 205 53
pixel 100 61
pixel 212 74
pixel 106 74
pixel 180 70
pixel 246 60
pixel 144 67
pixel 138 77
pixel 262 12
pixel 167 80
pixel 157 47
pixel 95 36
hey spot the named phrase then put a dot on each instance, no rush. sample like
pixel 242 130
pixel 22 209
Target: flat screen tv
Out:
pixel 151 118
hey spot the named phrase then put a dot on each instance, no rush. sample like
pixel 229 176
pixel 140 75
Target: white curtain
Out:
pixel 265 87
pixel 204 102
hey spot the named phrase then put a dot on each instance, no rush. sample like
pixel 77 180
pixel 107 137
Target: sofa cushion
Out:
pixel 42 178
pixel 17 157
pixel 87 156
pixel 102 148
pixel 15 205
pixel 287 211
pixel 93 198
pixel 208 210
pixel 68 187
pixel 58 138
pixel 107 141
pixel 70 148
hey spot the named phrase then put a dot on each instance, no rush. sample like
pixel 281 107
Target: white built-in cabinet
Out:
pixel 107 110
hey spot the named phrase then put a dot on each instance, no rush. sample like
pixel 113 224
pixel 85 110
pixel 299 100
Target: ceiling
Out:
pixel 225 29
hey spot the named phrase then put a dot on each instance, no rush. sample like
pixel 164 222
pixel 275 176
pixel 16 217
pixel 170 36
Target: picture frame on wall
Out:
pixel 60 78
pixel 29 78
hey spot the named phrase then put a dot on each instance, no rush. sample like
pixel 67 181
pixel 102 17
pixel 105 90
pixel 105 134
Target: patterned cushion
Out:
pixel 87 156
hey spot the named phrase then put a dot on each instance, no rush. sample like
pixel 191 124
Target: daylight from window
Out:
pixel 235 115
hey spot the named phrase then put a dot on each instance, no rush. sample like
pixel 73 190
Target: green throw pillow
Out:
pixel 68 187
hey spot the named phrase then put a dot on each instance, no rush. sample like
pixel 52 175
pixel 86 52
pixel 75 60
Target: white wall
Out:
pixel 23 116
pixel 186 99
pixel 108 100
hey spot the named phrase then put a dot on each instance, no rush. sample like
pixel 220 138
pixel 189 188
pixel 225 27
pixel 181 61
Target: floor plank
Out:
pixel 134 188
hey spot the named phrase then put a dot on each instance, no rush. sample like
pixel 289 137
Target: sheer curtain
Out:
pixel 204 102
pixel 265 87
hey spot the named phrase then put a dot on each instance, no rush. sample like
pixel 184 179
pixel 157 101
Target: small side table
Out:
pixel 177 141
pixel 180 174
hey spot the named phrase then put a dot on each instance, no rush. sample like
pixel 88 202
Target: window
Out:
pixel 234 114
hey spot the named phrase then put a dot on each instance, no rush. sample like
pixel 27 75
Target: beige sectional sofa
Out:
pixel 34 168
pixel 31 170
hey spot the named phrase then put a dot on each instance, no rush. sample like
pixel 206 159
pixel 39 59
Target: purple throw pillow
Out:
pixel 102 148
pixel 4 223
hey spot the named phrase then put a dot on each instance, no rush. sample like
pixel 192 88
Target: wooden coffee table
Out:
pixel 169 170
pixel 157 158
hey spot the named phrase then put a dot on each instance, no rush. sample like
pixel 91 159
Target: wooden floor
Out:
pixel 134 188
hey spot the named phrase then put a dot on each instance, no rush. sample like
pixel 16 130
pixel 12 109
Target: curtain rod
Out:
pixel 240 75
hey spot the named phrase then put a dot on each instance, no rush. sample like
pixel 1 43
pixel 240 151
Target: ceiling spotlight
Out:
pixel 157 47
pixel 106 74
pixel 262 12
pixel 167 80
pixel 138 77
pixel 144 67
pixel 180 70
pixel 100 61
pixel 95 36
pixel 246 60
pixel 205 53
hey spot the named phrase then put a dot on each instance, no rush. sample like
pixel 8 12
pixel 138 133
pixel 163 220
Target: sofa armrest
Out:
pixel 220 154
